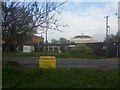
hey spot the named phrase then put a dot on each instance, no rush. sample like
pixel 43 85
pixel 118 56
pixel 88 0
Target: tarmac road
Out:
pixel 31 62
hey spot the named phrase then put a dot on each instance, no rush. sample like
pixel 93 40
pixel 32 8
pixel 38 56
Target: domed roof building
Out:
pixel 82 39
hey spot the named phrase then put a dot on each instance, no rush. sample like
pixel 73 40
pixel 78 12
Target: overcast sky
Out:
pixel 87 18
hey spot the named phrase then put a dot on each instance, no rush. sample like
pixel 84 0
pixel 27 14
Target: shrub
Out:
pixel 82 51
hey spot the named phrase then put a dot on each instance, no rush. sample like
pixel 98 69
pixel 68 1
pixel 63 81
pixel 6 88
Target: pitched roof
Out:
pixel 36 39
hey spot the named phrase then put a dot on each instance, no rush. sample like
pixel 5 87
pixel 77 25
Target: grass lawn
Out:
pixel 17 77
pixel 56 54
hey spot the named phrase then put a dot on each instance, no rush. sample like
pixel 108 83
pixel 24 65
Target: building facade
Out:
pixel 36 41
pixel 82 39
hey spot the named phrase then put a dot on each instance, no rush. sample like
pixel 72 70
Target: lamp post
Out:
pixel 118 15
pixel 117 50
pixel 118 30
pixel 117 46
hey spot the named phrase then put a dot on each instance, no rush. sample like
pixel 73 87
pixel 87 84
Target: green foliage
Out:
pixel 16 77
pixel 82 51
pixel 63 41
pixel 56 54
pixel 54 41
pixel 60 41
pixel 114 38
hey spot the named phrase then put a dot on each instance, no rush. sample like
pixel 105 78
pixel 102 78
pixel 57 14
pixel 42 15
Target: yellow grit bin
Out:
pixel 47 62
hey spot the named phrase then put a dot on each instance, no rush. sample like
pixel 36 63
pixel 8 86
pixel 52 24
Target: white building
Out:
pixel 82 39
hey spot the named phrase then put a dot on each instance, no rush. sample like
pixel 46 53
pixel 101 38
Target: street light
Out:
pixel 117 46
pixel 118 14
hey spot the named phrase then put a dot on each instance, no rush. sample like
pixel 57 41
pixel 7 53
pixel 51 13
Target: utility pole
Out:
pixel 117 42
pixel 108 31
pixel 107 35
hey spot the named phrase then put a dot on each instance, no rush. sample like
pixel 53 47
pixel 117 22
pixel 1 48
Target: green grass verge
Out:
pixel 57 55
pixel 16 77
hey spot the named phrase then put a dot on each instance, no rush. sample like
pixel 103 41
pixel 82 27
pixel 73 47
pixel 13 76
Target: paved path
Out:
pixel 70 62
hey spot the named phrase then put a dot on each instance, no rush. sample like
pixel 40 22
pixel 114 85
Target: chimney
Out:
pixel 82 35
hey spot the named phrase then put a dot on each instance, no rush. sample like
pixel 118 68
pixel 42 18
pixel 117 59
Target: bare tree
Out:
pixel 20 20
